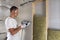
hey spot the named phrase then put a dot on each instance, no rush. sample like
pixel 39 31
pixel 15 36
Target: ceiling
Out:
pixel 10 2
pixel 15 2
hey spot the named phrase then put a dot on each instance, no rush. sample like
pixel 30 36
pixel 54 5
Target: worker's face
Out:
pixel 15 13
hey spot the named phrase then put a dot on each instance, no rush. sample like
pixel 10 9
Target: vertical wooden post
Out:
pixel 46 17
pixel 33 13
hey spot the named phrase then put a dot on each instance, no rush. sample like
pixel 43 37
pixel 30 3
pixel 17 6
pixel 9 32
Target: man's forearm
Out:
pixel 16 30
pixel 19 27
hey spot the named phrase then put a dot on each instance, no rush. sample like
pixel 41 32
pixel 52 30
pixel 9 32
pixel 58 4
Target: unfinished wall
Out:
pixel 39 22
pixel 40 8
pixel 25 13
pixel 53 20
pixel 54 14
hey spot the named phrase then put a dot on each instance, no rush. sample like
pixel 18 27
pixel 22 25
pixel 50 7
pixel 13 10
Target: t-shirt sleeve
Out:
pixel 10 24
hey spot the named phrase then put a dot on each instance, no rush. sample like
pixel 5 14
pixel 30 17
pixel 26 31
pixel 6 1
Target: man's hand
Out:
pixel 23 26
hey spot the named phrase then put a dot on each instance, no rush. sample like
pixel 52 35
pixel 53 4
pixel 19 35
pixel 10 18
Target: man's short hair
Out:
pixel 13 8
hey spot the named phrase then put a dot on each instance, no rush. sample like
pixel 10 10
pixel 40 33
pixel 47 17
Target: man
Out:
pixel 13 31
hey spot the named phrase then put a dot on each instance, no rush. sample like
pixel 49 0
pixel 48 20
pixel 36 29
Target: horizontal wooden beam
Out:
pixel 37 1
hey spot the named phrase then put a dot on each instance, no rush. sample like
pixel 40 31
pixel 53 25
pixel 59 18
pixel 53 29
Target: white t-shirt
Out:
pixel 12 23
